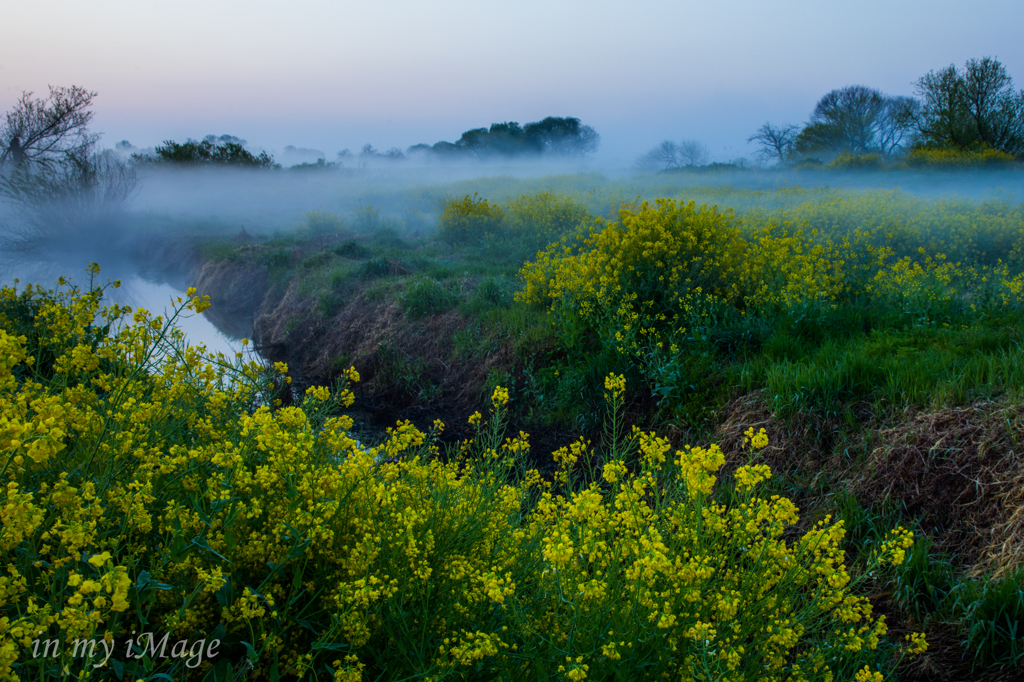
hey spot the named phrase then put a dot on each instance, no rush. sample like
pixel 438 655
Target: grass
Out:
pixel 832 378
pixel 841 372
pixel 820 359
pixel 428 296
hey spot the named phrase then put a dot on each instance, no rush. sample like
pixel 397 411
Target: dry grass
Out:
pixel 377 337
pixel 960 470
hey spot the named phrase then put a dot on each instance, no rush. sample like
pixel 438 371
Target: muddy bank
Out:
pixel 237 292
pixel 408 367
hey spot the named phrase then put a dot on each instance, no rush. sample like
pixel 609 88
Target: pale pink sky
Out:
pixel 329 75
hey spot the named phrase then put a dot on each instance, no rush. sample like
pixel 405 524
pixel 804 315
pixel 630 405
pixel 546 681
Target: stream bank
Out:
pixel 419 368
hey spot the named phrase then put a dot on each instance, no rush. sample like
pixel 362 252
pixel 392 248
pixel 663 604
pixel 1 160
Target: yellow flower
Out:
pixel 749 476
pixel 616 385
pixel 499 397
pixel 865 675
pixel 918 644
pixel 98 560
pixel 321 393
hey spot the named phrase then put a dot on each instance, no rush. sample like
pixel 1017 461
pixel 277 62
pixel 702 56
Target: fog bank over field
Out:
pixel 409 193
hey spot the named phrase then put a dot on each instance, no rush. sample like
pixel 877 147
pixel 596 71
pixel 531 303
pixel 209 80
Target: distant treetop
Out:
pixel 226 150
pixel 958 114
pixel 552 136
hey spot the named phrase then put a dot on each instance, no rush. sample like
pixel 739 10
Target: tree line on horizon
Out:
pixel 973 111
pixel 551 137
pixel 964 110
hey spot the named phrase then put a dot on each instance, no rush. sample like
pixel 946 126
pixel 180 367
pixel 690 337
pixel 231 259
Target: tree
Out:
pixel 223 151
pixel 849 115
pixel 859 120
pixel 56 186
pixel 506 138
pixel 38 129
pixel 897 119
pixel 974 107
pixel 561 136
pixel 79 196
pixel 694 153
pixel 473 141
pixel 776 141
pixel 668 155
pixel 552 136
pixel 663 157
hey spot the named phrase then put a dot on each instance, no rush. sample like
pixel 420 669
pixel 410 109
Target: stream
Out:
pixel 135 290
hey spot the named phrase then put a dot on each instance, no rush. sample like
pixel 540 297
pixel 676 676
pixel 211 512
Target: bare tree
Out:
pixel 776 141
pixel 45 128
pixel 662 157
pixel 693 152
pixel 669 154
pixel 52 181
pixel 79 196
pixel 896 120
pixel 851 114
pixel 858 120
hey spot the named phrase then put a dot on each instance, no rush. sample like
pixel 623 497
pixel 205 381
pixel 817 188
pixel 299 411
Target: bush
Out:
pixel 847 161
pixel 154 489
pixel 654 255
pixel 427 296
pixel 469 220
pixel 319 223
pixel 957 158
pixel 352 249
pixel 532 222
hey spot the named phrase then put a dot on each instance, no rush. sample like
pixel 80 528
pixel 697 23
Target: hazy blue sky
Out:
pixel 330 74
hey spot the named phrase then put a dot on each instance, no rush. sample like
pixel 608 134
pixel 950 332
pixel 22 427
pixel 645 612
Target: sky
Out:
pixel 330 74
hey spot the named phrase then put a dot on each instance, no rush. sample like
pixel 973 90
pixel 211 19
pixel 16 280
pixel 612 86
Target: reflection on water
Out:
pixel 156 298
pixel 135 291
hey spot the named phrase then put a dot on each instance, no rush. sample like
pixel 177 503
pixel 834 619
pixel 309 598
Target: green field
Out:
pixel 717 369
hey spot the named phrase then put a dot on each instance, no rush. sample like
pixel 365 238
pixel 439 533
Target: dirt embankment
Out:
pixel 960 470
pixel 237 293
pixel 408 367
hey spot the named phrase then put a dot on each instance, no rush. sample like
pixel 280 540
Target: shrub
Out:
pixel 153 489
pixel 384 230
pixel 847 161
pixel 656 255
pixel 948 157
pixel 469 220
pixel 352 249
pixel 532 222
pixel 427 296
pixel 319 223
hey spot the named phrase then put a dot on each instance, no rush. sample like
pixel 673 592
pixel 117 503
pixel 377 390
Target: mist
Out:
pixel 153 237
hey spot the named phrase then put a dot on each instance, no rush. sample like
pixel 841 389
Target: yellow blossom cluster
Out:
pixel 167 493
pixel 663 272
